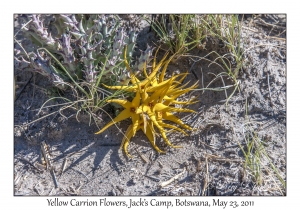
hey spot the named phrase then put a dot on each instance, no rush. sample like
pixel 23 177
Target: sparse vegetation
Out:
pixel 180 33
pixel 91 62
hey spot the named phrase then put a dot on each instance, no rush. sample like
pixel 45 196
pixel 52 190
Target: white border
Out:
pixel 153 6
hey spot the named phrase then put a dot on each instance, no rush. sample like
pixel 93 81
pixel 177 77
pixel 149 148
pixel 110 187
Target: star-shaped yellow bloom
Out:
pixel 128 112
pixel 153 103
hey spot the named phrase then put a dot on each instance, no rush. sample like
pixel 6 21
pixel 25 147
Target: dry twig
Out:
pixel 142 156
pixel 163 184
pixel 206 180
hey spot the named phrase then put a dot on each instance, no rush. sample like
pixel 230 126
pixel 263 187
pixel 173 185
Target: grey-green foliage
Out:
pixel 82 44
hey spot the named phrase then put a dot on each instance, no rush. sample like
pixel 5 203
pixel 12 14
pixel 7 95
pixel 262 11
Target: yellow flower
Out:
pixel 147 128
pixel 152 104
pixel 159 107
pixel 129 111
pixel 134 80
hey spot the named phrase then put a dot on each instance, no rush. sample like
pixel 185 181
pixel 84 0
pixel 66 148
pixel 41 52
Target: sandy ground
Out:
pixel 210 162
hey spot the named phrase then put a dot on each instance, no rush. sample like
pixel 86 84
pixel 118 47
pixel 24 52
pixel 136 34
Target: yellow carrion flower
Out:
pixel 150 107
pixel 128 112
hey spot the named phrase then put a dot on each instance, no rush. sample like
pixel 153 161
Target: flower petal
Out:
pixel 156 67
pixel 169 116
pixel 162 74
pixel 136 100
pixel 126 104
pixel 151 137
pixel 160 128
pixel 154 60
pixel 162 84
pixel 135 123
pixel 126 140
pixel 173 127
pixel 143 108
pixel 160 107
pixel 134 79
pixel 122 116
pixel 172 109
